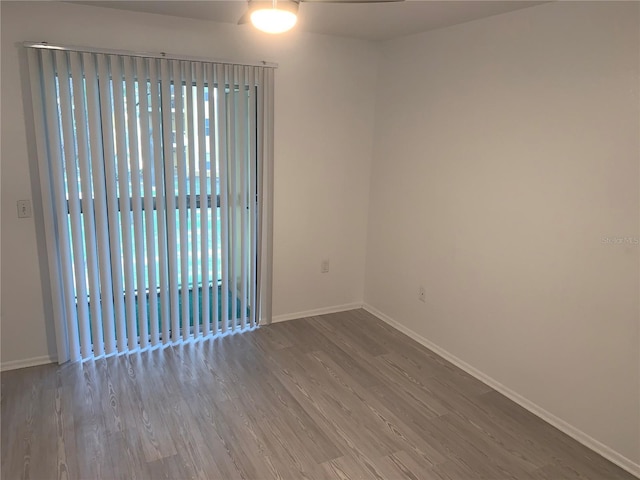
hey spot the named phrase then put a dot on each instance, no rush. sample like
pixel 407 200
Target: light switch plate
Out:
pixel 24 209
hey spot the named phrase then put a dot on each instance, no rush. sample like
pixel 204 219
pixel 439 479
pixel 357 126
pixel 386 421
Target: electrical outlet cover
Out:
pixel 324 266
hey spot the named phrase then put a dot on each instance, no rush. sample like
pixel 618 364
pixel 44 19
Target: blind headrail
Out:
pixel 168 56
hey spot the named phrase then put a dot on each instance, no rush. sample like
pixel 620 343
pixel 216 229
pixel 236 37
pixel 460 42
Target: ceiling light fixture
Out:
pixel 279 16
pixel 272 19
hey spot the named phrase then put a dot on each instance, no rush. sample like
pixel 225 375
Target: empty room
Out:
pixel 311 239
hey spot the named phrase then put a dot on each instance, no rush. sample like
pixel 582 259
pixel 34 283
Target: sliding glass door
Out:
pixel 155 171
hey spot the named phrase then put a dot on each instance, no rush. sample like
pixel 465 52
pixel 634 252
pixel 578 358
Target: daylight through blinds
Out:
pixel 155 176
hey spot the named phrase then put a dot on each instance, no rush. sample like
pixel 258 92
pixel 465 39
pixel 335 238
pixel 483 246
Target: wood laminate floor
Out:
pixel 340 396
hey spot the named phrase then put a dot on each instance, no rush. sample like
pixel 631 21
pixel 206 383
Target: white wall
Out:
pixel 324 124
pixel 505 150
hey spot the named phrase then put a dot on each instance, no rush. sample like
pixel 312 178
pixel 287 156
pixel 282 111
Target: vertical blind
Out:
pixel 156 178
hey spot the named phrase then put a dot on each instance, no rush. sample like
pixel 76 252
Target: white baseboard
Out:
pixel 317 311
pixel 27 362
pixel 588 441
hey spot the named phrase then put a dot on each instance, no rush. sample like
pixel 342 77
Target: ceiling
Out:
pixel 375 21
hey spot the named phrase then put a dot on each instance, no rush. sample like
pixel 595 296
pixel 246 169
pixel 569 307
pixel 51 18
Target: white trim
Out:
pixel 27 362
pixel 586 440
pixel 317 311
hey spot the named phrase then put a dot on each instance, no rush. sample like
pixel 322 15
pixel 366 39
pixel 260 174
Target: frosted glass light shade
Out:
pixel 273 20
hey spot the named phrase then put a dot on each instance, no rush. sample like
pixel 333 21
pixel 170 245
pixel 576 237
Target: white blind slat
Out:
pixel 48 201
pixel 213 90
pixel 182 204
pixel 260 273
pixel 136 201
pixel 193 212
pixel 124 198
pixel 223 152
pixel 202 176
pixel 252 195
pixel 86 187
pixel 233 196
pixel 171 138
pixel 94 127
pixel 149 211
pixel 73 201
pixel 158 167
pixel 57 173
pixel 170 195
pixel 243 187
pixel 110 173
pixel 267 195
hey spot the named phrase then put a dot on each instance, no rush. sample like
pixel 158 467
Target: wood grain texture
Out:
pixel 338 396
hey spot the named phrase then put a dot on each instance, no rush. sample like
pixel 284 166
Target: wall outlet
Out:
pixel 422 294
pixel 24 209
pixel 324 266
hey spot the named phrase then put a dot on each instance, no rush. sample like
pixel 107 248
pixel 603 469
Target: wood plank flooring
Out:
pixel 340 396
